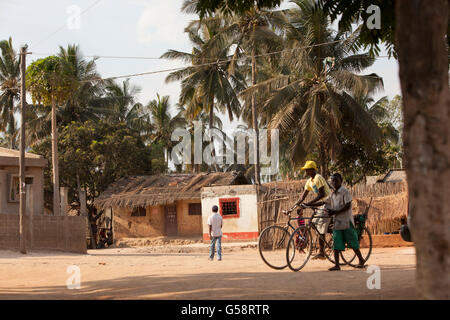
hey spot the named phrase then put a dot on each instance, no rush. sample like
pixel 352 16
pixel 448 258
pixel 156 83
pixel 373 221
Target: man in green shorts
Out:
pixel 339 204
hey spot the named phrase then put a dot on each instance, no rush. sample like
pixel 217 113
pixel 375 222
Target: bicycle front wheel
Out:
pixel 272 246
pixel 299 248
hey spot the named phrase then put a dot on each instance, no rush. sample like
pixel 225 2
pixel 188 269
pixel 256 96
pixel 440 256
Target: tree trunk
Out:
pixel 211 124
pixel 323 162
pixel 56 204
pixel 255 122
pixel 12 130
pixel 423 67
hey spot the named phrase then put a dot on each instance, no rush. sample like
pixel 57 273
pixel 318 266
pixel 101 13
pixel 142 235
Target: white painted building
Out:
pixel 238 205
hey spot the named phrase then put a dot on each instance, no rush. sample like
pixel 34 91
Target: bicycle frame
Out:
pixel 313 226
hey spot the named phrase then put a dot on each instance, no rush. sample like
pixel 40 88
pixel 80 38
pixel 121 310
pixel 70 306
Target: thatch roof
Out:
pixel 395 175
pixel 163 189
pixel 286 184
pixel 370 180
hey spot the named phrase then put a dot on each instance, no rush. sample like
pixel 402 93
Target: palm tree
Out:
pixel 207 83
pixel 380 114
pixel 312 100
pixel 83 104
pixel 194 114
pixel 119 103
pixel 253 33
pixel 51 82
pixel 163 123
pixel 9 89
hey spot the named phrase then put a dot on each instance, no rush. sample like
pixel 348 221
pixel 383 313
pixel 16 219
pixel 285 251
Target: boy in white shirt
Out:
pixel 215 233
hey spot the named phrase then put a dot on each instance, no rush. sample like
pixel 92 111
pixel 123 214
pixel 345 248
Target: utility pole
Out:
pixel 23 194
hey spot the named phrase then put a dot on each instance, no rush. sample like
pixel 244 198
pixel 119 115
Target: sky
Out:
pixel 133 28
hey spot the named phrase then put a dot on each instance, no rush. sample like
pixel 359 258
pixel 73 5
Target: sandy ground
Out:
pixel 147 273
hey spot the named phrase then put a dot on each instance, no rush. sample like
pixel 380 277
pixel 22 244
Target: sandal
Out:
pixel 335 268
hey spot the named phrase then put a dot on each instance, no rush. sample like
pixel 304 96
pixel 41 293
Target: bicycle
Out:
pixel 347 255
pixel 273 241
pixel 301 242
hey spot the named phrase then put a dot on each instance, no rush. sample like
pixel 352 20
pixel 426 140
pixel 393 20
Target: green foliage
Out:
pixel 311 98
pixel 100 153
pixel 355 11
pixel 228 7
pixel 9 90
pixel 394 113
pixel 355 162
pixel 49 79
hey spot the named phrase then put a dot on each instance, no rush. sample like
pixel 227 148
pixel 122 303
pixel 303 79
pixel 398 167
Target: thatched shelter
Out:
pixel 386 214
pixel 161 205
pixel 162 189
pixel 388 211
pixel 395 175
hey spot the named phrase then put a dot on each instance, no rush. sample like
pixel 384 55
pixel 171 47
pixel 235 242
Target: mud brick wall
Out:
pixel 45 233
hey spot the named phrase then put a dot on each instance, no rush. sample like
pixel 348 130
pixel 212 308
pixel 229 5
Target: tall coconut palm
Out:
pixel 206 82
pixel 194 114
pixel 163 123
pixel 313 102
pixel 83 104
pixel 9 89
pixel 51 82
pixel 380 114
pixel 253 33
pixel 119 104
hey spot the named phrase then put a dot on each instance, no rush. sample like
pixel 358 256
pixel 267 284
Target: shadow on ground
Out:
pixel 397 282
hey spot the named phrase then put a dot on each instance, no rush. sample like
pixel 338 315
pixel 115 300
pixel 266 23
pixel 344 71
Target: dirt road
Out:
pixel 138 273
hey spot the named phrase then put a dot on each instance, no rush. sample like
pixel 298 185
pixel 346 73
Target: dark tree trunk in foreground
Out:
pixel 422 52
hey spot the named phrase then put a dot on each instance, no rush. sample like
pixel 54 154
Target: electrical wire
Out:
pixel 199 65
pixel 64 26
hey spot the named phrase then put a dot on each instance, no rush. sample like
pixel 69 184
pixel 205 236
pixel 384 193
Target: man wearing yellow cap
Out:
pixel 317 184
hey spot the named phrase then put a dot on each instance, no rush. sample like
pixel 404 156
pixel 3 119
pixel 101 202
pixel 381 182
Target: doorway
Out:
pixel 171 220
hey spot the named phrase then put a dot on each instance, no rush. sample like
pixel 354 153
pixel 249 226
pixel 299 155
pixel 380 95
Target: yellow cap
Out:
pixel 309 165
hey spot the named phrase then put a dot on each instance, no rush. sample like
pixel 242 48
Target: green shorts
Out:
pixel 341 237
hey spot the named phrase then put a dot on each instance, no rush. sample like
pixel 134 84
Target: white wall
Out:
pixel 244 227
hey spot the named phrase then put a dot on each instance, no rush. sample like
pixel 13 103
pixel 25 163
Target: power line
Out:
pixel 199 65
pixel 212 59
pixel 96 56
pixel 64 26
pixel 214 63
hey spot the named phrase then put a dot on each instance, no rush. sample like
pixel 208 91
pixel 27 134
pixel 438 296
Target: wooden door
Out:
pixel 171 220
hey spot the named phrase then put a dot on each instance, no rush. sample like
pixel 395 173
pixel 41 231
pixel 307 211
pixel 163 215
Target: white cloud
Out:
pixel 162 22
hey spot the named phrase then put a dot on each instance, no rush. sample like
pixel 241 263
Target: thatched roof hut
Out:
pixel 163 189
pixel 386 214
pixel 395 175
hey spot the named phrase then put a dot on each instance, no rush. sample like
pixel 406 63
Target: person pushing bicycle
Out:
pixel 339 205
pixel 317 184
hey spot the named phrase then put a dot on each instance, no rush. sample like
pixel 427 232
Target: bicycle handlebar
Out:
pixel 305 206
pixel 288 212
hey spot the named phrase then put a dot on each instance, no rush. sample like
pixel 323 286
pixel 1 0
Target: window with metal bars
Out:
pixel 229 207
pixel 195 209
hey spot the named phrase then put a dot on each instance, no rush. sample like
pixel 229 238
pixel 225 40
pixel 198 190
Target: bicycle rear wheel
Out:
pixel 299 248
pixel 365 246
pixel 272 246
pixel 329 252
